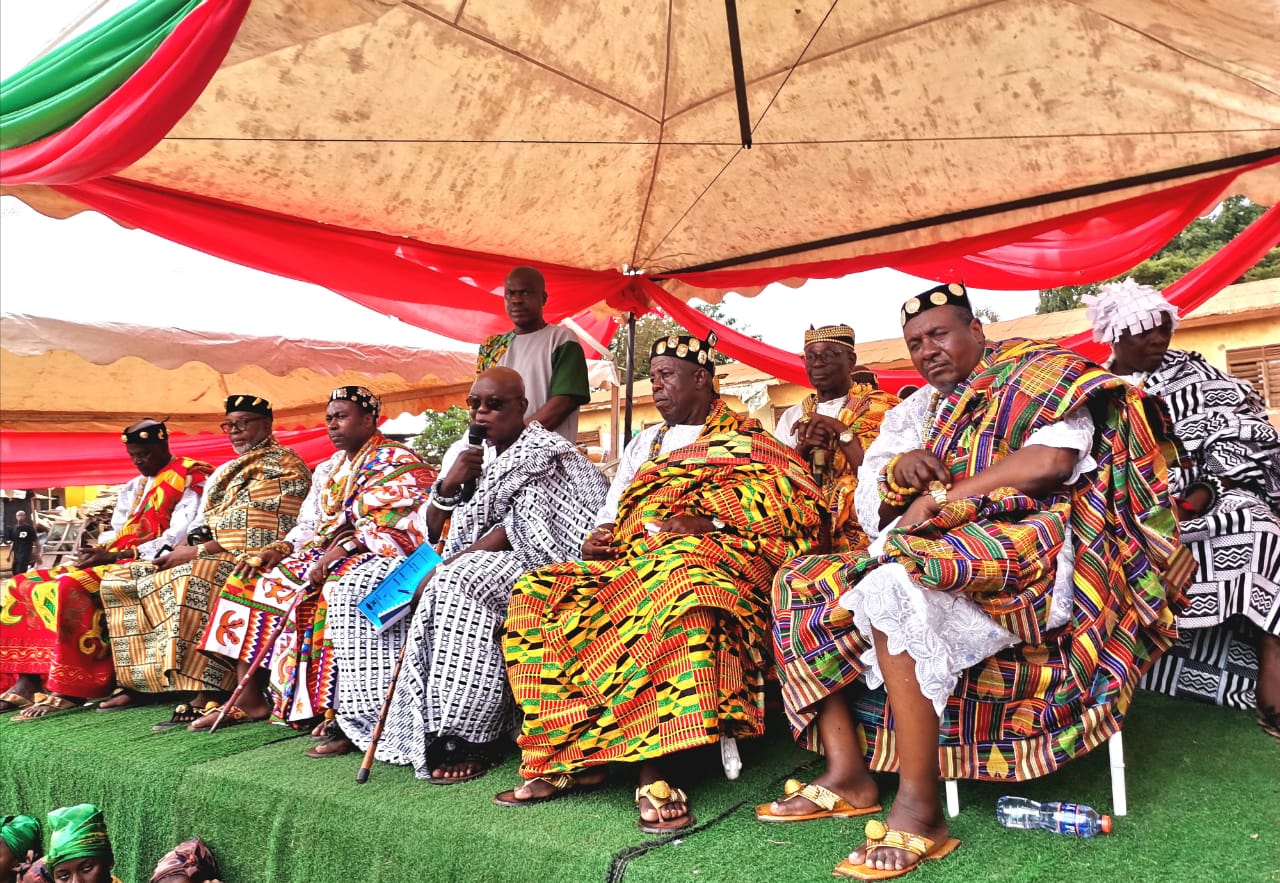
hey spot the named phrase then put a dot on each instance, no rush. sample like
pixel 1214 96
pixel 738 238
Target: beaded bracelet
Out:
pixel 443 502
pixel 893 484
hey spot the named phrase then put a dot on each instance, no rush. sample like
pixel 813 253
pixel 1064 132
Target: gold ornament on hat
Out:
pixel 682 350
pixel 956 288
pixel 938 298
pixel 913 306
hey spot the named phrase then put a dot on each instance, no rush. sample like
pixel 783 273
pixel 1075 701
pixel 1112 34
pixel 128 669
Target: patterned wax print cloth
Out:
pixel 1057 692
pixel 373 492
pixel 52 622
pixel 156 618
pixel 1235 595
pixel 665 647
pixel 862 410
pixel 544 495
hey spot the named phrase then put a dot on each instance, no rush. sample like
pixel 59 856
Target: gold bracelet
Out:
pixel 892 482
pixel 938 491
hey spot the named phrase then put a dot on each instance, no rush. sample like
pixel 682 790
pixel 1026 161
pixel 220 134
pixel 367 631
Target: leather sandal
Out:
pixel 881 837
pixel 13 701
pixel 830 804
pixel 659 794
pixel 56 704
pixel 562 783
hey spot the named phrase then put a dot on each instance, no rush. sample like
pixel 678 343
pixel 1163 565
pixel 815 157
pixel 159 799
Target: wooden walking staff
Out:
pixel 362 774
pixel 257 659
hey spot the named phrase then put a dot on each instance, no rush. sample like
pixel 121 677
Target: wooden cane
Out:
pixel 362 774
pixel 257 660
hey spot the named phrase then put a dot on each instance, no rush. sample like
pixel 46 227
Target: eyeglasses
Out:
pixel 491 403
pixel 822 357
pixel 230 426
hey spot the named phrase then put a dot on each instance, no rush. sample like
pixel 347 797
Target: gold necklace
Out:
pixel 355 461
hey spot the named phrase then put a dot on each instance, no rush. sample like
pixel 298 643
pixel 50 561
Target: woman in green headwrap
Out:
pixel 79 851
pixel 19 844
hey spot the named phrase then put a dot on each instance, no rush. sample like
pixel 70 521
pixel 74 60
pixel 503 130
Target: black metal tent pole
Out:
pixel 631 380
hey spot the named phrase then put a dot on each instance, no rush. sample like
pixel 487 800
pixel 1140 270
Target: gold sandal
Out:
pixel 830 804
pixel 45 700
pixel 881 837
pixel 562 784
pixel 659 794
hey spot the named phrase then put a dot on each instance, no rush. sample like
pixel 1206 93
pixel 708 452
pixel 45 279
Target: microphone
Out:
pixel 819 459
pixel 475 439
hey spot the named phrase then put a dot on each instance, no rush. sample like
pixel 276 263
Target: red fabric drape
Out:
pixel 1189 292
pixel 67 459
pixel 131 120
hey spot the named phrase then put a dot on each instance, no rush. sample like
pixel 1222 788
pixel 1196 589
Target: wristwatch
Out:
pixel 845 437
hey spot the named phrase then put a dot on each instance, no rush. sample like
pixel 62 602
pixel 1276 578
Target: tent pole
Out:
pixel 631 379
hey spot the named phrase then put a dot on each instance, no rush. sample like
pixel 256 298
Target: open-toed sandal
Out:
pixel 881 837
pixel 830 804
pixel 184 714
pixel 563 784
pixel 455 751
pixel 13 701
pixel 235 715
pixel 659 794
pixel 56 705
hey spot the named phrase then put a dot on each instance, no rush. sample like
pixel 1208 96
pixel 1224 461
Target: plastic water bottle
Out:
pixel 1061 818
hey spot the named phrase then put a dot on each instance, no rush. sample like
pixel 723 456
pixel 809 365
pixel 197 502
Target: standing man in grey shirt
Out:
pixel 548 358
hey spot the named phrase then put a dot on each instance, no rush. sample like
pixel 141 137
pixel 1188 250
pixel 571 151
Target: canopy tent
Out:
pixel 707 147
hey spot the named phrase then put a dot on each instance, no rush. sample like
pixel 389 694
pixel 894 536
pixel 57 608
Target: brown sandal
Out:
pixel 563 784
pixel 13 701
pixel 659 794
pixel 57 704
pixel 830 804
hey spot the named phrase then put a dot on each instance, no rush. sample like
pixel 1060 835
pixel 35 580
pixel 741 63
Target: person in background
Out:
pixel 189 862
pixel 157 610
pixel 833 426
pixel 548 358
pixel 79 849
pixel 25 543
pixel 52 630
pixel 1227 490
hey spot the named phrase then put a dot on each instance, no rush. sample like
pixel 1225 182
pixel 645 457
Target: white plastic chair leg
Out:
pixel 729 757
pixel 953 797
pixel 1119 799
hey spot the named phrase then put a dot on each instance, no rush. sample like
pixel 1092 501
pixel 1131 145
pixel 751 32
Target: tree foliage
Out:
pixel 987 315
pixel 651 327
pixel 1198 241
pixel 442 429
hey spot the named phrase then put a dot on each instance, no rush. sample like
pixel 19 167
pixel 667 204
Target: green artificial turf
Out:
pixel 1204 792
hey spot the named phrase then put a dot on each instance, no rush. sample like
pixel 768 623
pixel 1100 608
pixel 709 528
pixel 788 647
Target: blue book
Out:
pixel 389 602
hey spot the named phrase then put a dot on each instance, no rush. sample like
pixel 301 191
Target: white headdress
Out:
pixel 1126 306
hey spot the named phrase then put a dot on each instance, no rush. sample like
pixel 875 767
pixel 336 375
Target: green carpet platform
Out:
pixel 1204 801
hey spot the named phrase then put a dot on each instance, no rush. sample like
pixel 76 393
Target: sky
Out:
pixel 89 269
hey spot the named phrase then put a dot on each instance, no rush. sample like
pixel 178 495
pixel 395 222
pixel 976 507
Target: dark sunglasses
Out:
pixel 491 403
pixel 230 426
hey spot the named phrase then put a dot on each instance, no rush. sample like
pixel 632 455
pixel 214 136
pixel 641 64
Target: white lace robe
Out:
pixel 944 634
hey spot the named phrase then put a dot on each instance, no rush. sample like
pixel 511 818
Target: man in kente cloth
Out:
pixel 79 849
pixel 548 358
pixel 534 500
pixel 157 611
pixel 832 427
pixel 1227 490
pixel 51 623
pixel 1024 572
pixel 358 511
pixel 657 642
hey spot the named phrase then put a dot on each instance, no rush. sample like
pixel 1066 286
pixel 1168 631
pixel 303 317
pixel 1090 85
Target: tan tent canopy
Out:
pixel 599 135
pixel 65 376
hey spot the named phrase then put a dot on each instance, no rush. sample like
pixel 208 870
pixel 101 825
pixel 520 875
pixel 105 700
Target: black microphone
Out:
pixel 475 439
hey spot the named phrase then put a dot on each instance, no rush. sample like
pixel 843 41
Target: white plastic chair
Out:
pixel 1119 798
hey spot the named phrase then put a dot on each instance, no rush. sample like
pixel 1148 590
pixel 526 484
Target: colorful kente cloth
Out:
pixel 374 492
pixel 155 618
pixel 861 410
pixel 1222 425
pixel 492 349
pixel 544 495
pixel 1059 692
pixel 51 621
pixel 663 648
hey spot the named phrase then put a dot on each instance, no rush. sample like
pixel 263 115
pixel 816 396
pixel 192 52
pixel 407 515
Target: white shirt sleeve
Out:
pixel 310 516
pixel 900 431
pixel 1074 432
pixel 783 432
pixel 179 525
pixel 628 465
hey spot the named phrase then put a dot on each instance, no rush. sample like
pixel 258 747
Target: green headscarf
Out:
pixel 76 832
pixel 21 834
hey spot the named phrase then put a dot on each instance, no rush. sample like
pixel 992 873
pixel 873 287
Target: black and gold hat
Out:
pixel 687 347
pixel 249 404
pixel 952 294
pixel 146 433
pixel 360 395
pixel 841 334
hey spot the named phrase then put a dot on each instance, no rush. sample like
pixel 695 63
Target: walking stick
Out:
pixel 362 774
pixel 257 660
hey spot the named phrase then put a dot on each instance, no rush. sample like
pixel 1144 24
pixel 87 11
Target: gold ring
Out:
pixel 254 561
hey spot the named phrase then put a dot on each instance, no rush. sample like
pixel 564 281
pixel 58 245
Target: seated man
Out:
pixel 157 611
pixel 1021 581
pixel 532 504
pixel 20 845
pixel 657 642
pixel 51 623
pixel 1228 493
pixel 832 428
pixel 358 511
